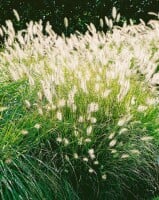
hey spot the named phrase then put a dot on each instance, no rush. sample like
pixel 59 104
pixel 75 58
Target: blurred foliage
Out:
pixel 78 12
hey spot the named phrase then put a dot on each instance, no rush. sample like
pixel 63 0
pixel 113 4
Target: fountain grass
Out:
pixel 79 115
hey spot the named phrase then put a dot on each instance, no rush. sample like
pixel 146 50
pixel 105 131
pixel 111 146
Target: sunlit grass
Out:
pixel 86 107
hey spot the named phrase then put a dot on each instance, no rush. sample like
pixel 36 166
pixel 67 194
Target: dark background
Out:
pixel 79 12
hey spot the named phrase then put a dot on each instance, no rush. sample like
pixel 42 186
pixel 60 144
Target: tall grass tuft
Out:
pixel 86 107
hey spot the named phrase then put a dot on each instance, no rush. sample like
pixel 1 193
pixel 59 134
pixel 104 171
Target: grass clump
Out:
pixel 29 178
pixel 86 107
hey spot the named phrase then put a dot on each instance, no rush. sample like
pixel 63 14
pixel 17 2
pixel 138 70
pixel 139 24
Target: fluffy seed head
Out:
pixel 89 130
pixel 113 143
pixel 104 176
pixel 59 116
pixel 24 132
pixel 37 126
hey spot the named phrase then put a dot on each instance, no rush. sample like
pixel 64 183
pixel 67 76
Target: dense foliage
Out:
pixel 78 12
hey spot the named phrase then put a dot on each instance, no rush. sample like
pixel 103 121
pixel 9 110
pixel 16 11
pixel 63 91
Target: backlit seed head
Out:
pixel 114 12
pixel 97 87
pixel 89 130
pixel 151 101
pixel 113 151
pixel 93 120
pixel 110 23
pixel 133 100
pixel 66 142
pixel 76 133
pixel 106 93
pixel 111 135
pixel 59 116
pixel 124 156
pixel 3 108
pixel 96 162
pixel 113 143
pixel 67 157
pixel 39 95
pixel 8 160
pixel 135 151
pixel 122 121
pixel 91 151
pixel 104 176
pixel 80 141
pixel 52 107
pixel 40 111
pixel 85 159
pixel 106 20
pixel 91 170
pixel 93 107
pixel 16 15
pixel 61 103
pixel 141 108
pixel 118 17
pixel 74 107
pixel 146 138
pixel 59 139
pixel 1 32
pixel 24 132
pixel 37 126
pixel 123 131
pixel 75 155
pixel 92 156
pixel 66 22
pixel 87 140
pixel 81 119
pixel 31 81
pixel 101 23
